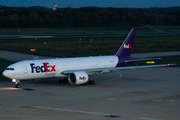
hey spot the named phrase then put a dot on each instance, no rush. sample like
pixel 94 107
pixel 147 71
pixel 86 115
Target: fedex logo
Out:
pixel 82 78
pixel 45 68
pixel 127 46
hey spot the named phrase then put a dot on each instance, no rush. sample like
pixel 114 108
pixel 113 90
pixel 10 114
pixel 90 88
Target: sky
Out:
pixel 97 3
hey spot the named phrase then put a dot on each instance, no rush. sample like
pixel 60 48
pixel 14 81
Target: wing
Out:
pixel 107 70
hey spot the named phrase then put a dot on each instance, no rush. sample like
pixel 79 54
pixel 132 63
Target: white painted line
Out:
pixel 79 111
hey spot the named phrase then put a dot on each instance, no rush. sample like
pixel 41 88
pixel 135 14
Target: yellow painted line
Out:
pixel 112 109
pixel 120 74
pixel 111 98
pixel 157 100
pixel 164 110
pixel 170 100
pixel 124 99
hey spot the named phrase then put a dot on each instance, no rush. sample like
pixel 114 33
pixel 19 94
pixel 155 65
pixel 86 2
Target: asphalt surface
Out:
pixel 83 35
pixel 17 56
pixel 141 94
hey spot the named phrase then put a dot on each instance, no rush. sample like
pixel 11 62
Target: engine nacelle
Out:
pixel 78 78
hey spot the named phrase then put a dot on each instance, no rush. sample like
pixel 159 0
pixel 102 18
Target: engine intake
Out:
pixel 78 78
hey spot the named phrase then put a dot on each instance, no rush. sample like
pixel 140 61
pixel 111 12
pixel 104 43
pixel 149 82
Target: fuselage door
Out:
pixel 25 70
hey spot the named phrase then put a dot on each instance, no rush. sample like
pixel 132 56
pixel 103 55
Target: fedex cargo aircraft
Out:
pixel 76 70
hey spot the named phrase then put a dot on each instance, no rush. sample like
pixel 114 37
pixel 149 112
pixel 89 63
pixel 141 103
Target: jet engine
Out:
pixel 78 78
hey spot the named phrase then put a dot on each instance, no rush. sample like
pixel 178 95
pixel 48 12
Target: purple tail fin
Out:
pixel 126 47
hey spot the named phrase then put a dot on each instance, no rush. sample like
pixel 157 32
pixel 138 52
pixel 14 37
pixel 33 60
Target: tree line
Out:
pixel 36 17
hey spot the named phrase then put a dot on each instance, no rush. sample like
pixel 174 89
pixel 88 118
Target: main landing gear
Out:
pixel 90 82
pixel 64 80
pixel 17 85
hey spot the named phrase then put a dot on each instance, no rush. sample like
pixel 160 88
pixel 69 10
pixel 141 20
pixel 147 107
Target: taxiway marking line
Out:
pixel 78 111
pixel 164 110
pixel 112 109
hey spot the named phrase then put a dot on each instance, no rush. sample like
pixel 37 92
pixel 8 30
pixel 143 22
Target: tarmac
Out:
pixel 18 56
pixel 86 35
pixel 141 94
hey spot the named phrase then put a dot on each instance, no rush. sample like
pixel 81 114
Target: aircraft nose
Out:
pixel 6 73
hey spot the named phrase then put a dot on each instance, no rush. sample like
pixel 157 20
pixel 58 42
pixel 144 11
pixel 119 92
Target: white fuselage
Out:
pixel 46 68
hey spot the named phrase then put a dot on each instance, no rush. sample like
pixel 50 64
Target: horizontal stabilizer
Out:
pixel 142 59
pixel 36 58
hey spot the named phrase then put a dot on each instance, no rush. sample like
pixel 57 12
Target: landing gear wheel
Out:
pixel 90 82
pixel 65 80
pixel 60 81
pixel 17 86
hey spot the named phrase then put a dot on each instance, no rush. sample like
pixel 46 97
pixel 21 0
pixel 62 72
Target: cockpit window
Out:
pixel 9 68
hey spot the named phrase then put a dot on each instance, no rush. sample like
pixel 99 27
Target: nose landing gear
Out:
pixel 17 85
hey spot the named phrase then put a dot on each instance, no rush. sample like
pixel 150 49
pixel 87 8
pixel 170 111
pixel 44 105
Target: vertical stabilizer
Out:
pixel 126 47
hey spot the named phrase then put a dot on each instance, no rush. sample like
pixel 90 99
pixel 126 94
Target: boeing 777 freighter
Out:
pixel 78 69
